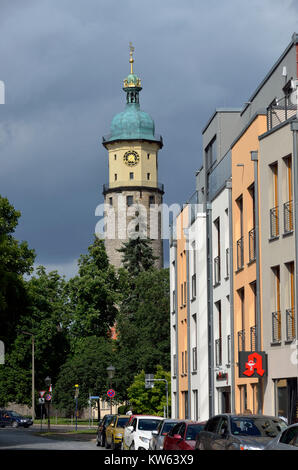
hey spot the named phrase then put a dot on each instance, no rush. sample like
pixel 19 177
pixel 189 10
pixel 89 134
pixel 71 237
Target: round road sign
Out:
pixel 111 393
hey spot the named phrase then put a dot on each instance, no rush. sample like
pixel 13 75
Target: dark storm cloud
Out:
pixel 63 63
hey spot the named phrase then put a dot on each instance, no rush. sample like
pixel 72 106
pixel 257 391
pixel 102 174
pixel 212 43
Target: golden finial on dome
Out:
pixel 131 48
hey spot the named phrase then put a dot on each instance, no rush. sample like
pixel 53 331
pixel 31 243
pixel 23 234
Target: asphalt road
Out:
pixel 25 439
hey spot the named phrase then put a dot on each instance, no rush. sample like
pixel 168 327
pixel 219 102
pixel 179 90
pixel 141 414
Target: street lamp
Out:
pixel 33 373
pixel 48 384
pixel 111 372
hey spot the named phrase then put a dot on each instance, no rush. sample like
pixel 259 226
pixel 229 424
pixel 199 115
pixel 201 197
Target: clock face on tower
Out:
pixel 131 158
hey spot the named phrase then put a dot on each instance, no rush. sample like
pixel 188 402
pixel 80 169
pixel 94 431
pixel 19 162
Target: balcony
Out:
pixel 132 184
pixel 279 111
pixel 216 270
pixel 218 352
pixel 193 287
pixel 252 245
pixel 194 360
pixel 290 324
pixel 288 217
pixel 241 340
pixel 276 327
pixel 240 254
pixel 274 222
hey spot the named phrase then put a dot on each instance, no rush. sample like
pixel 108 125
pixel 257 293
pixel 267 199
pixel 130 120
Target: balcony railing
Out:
pixel 276 327
pixel 279 111
pixel 194 359
pixel 132 184
pixel 274 222
pixel 288 217
pixel 252 244
pixel 194 286
pixel 253 338
pixel 290 322
pixel 218 352
pixel 240 256
pixel 216 270
pixel 241 340
pixel 227 263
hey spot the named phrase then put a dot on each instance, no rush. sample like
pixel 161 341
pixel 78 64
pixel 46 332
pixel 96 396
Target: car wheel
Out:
pixel 97 441
pixel 15 424
pixel 102 441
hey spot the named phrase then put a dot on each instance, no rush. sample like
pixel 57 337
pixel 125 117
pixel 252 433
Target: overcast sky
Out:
pixel 63 63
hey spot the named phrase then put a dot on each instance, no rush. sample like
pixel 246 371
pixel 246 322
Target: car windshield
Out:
pixel 148 424
pixel 108 420
pixel 168 426
pixel 262 427
pixel 122 422
pixel 15 415
pixel 192 431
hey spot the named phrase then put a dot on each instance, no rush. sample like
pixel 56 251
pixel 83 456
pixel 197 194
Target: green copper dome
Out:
pixel 132 123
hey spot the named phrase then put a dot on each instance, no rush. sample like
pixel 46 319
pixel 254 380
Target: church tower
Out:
pixel 133 193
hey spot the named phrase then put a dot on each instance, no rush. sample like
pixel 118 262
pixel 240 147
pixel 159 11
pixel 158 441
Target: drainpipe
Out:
pixel 210 307
pixel 254 158
pixel 294 129
pixel 176 323
pixel 231 270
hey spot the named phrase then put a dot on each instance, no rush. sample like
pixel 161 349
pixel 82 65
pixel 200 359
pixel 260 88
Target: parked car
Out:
pixel 158 436
pixel 239 432
pixel 183 435
pixel 286 440
pixel 11 418
pixel 139 432
pixel 101 430
pixel 114 431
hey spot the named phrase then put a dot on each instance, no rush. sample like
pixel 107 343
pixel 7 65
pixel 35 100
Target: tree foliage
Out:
pixel 150 401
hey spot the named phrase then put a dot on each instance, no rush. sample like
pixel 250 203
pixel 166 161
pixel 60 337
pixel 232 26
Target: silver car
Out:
pixel 286 440
pixel 158 436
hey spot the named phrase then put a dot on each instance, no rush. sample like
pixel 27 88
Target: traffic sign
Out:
pixel 111 393
pixel 48 397
pixel 41 401
pixel 41 394
pixel 94 398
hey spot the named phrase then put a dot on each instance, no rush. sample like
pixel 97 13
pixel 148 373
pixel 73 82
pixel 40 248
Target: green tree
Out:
pixel 85 366
pixel 93 294
pixel 150 401
pixel 137 255
pixel 143 326
pixel 16 259
pixel 45 317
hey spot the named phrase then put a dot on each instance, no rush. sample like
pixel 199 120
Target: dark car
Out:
pixel 239 432
pixel 158 436
pixel 183 435
pixel 11 418
pixel 101 430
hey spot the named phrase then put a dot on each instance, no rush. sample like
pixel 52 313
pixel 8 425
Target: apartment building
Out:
pixel 240 260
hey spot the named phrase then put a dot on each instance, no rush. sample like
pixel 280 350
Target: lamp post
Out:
pixel 111 372
pixel 48 384
pixel 33 373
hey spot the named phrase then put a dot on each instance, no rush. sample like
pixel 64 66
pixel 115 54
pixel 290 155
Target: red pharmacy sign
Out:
pixel 252 364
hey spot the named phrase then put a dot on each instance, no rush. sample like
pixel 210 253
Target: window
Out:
pixel 115 157
pixel 129 200
pixel 115 176
pixel 288 205
pixel 148 176
pixel 131 176
pixel 276 315
pixel 184 300
pixel 210 153
pixel 148 156
pixel 223 427
pixel 212 424
pixel 111 201
pixel 151 200
pixel 290 437
pixel 274 214
pixel 240 253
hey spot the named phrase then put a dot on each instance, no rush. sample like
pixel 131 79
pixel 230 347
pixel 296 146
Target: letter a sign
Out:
pixel 252 364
